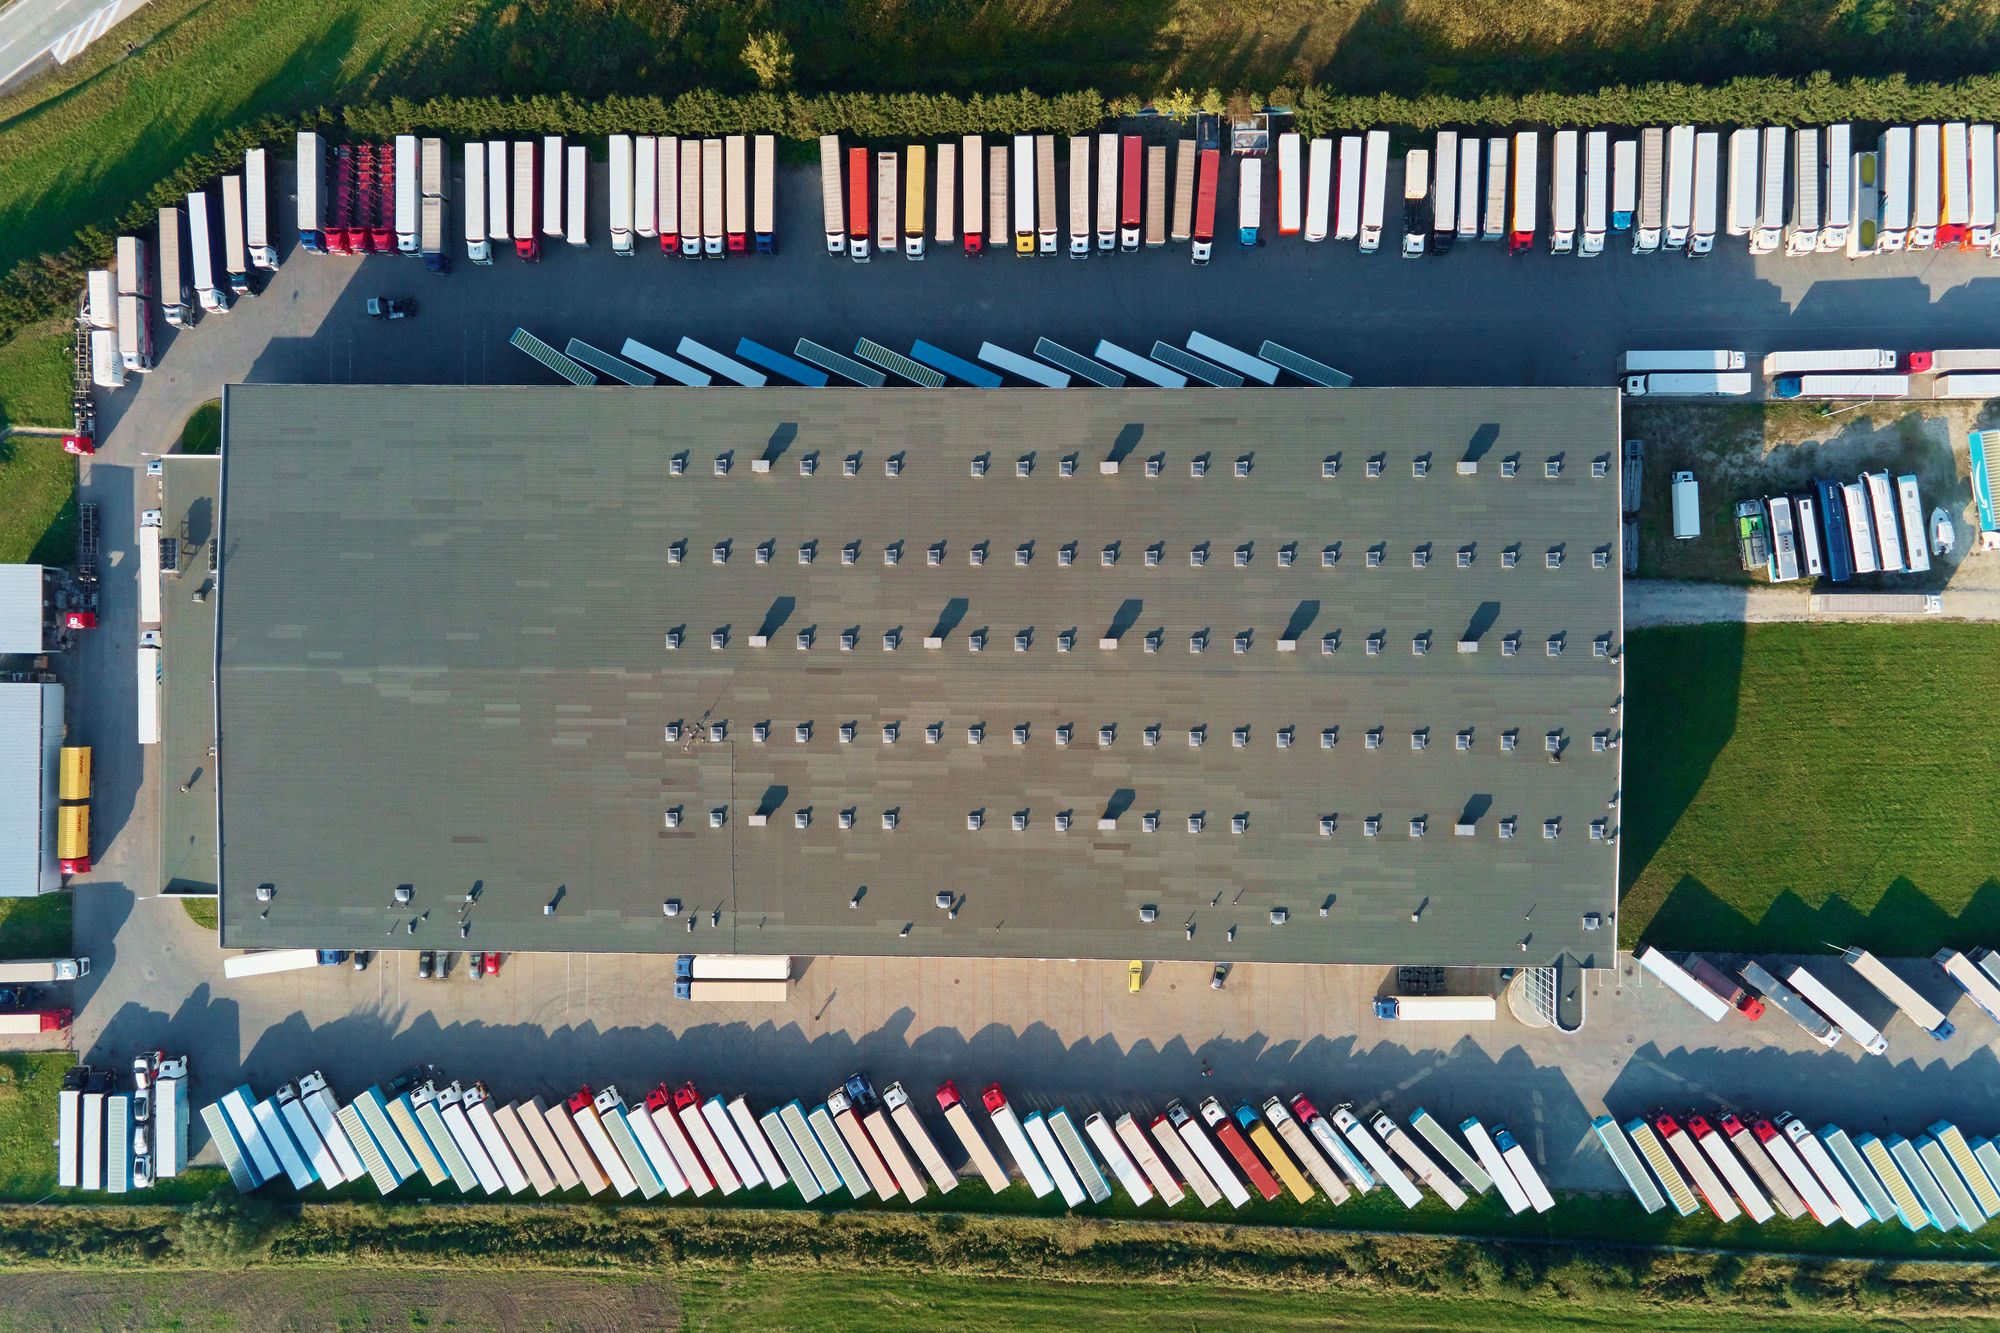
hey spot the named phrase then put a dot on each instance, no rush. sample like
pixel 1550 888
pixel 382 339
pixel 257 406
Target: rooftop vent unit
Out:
pixel 808 465
pixel 717 815
pixel 1149 914
pixel 1600 466
pixel 1066 555
pixel 1371 826
pixel 1284 738
pixel 1329 466
pixel 1153 554
pixel 893 465
pixel 1109 555
pixel 892 554
pixel 933 641
pixel 1243 467
pixel 722 465
pixel 1239 738
pixel 1551 828
pixel 1600 741
pixel 1062 821
pixel 1153 640
pixel 1151 736
pixel 1509 739
pixel 1024 465
pixel 1021 733
pixel 1329 643
pixel 847 819
pixel 1326 825
pixel 1553 741
pixel 674 638
pixel 760 732
pixel 1197 737
pixel 718 638
pixel 802 733
pixel 977 555
pixel 1507 828
pixel 1554 467
pixel 1418 827
pixel 891 732
pixel 758 820
pixel 1021 641
pixel 674 817
pixel 1023 553
pixel 973 821
pixel 807 552
pixel 1195 823
pixel 1465 739
pixel 1329 556
pixel 1375 642
pixel 976 734
pixel 677 465
pixel 1239 823
pixel 1510 557
pixel 1601 558
pixel 1066 467
pixel 1243 642
pixel 676 551
pixel 760 641
pixel 1149 823
pixel 673 733
pixel 802 819
pixel 1468 467
pixel 1198 641
pixel 1374 560
pixel 1601 646
pixel 1243 555
pixel 1420 739
pixel 1373 740
pixel 1329 737
pixel 1510 467
pixel 888 821
pixel 847 733
pixel 1153 465
pixel 934 733
pixel 850 466
pixel 848 639
pixel 1420 467
pixel 979 462
pixel 1555 645
pixel 1020 821
pixel 1106 734
pixel 1465 557
pixel 1420 645
pixel 1375 466
pixel 936 554
pixel 1198 467
pixel 1464 830
pixel 764 549
pixel 1287 553
pixel 720 555
pixel 1063 733
pixel 1198 555
pixel 1554 558
pixel 1597 830
pixel 976 642
pixel 891 640
pixel 850 553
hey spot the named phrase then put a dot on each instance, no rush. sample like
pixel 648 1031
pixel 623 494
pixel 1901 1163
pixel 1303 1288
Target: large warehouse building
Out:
pixel 1310 676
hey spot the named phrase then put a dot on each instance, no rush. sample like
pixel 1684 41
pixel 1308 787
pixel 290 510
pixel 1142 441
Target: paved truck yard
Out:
pixel 1063 1029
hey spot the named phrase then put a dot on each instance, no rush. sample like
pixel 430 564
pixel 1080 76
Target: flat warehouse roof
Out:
pixel 492 637
pixel 21 609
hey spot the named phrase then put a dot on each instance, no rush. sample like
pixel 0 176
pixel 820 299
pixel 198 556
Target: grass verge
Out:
pixel 203 432
pixel 35 376
pixel 36 927
pixel 37 502
pixel 202 912
pixel 1789 785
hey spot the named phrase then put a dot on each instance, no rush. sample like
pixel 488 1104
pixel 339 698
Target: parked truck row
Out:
pixel 1818 1010
pixel 677 1141
pixel 117 1135
pixel 1742 1165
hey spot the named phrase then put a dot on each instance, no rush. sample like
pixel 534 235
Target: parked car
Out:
pixel 391 307
pixel 1220 975
pixel 426 965
pixel 492 964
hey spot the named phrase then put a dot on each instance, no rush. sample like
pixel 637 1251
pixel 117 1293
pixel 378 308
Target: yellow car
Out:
pixel 1137 975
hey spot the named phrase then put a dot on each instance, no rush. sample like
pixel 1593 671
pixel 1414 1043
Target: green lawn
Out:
pixel 202 912
pixel 1793 785
pixel 35 927
pixel 203 432
pixel 37 501
pixel 28 1087
pixel 35 377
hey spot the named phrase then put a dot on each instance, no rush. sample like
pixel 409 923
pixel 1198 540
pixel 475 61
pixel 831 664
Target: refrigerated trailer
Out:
pixel 477 248
pixel 576 210
pixel 1374 189
pixel 1347 189
pixel 1926 181
pixel 645 185
pixel 1204 205
pixel 528 195
pixel 311 192
pixel 944 225
pixel 1815 992
pixel 235 254
pixel 1249 199
pixel 496 192
pixel 972 157
pixel 691 197
pixel 257 208
pixel 1677 980
pixel 1802 231
pixel 1527 167
pixel 1837 207
pixel 1289 185
pixel 1562 193
pixel 713 190
pixel 618 221
pixel 1707 190
pixel 554 158
pixel 1319 184
pixel 1680 187
pixel 1980 201
pixel 832 215
pixel 1013 1134
pixel 1129 185
pixel 1899 993
pixel 1493 219
pixel 1769 229
pixel 407 180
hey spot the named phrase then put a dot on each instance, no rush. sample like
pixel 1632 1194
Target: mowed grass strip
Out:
pixel 37 501
pixel 28 1088
pixel 1793 785
pixel 36 376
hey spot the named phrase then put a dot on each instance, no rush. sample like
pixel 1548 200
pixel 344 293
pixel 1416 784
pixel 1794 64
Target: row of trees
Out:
pixel 48 286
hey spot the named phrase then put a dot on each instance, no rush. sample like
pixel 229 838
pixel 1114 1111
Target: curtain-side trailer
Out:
pixel 1707 190
pixel 1045 194
pixel 1652 169
pixel 887 225
pixel 1289 204
pixel 691 197
pixel 1374 189
pixel 235 254
pixel 576 207
pixel 1107 191
pixel 1444 191
pixel 764 200
pixel 1926 182
pixel 972 159
pixel 1156 196
pixel 1130 183
pixel 914 194
pixel 618 224
pixel 1079 196
pixel 1319 185
pixel 944 222
pixel 833 214
pixel 1524 221
pixel 1562 193
pixel 645 185
pixel 173 283
pixel 713 188
pixel 1207 185
pixel 1680 187
pixel 1893 183
pixel 1184 159
pixel 1837 205
pixel 477 249
pixel 736 194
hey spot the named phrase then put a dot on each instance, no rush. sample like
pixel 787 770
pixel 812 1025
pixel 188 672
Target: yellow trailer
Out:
pixel 73 839
pixel 913 201
pixel 75 783
pixel 1281 1162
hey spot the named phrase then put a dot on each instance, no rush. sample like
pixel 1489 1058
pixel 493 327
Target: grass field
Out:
pixel 28 1087
pixel 1789 785
pixel 37 501
pixel 202 434
pixel 35 927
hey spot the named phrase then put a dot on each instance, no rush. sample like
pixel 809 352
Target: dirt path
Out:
pixel 330 1298
pixel 1671 602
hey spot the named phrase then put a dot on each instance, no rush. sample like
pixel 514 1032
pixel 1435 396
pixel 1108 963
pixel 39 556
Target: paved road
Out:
pixel 1052 1030
pixel 59 30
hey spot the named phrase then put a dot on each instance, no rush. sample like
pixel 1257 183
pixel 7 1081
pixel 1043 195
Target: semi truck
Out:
pixel 1725 987
pixel 645 186
pixel 1802 230
pixel 944 224
pixel 860 186
pixel 1680 188
pixel 1899 993
pixel 1283 1169
pixel 764 200
pixel 33 1022
pixel 734 1146
pixel 1980 213
pixel 527 201
pixel 257 209
pixel 1374 189
pixel 1782 1194
pixel 1130 182
pixel 982 1158
pixel 431 222
pixel 1730 1168
pixel 1985 992
pixel 1436 1008
pixel 736 194
pixel 1926 187
pixel 1045 194
pixel 1596 193
pixel 1156 196
pixel 1837 209
pixel 888 226
pixel 1652 164
pixel 1649 361
pixel 497 191
pixel 310 192
pixel 1416 203
pixel 972 159
pixel 576 181
pixel 1347 188
pixel 713 190
pixel 1790 1005
pixel 1337 1149
pixel 1527 191
pixel 1676 979
pixel 29 971
pixel 1249 199
pixel 1079 196
pixel 590 1127
pixel 1841 386
pixel 1107 192
pixel 832 213
pixel 1688 385
pixel 1493 217
pixel 264 962
pixel 1318 184
pixel 667 1127
pixel 1295 1137
pixel 1681 1144
pixel 1562 193
pixel 1380 1164
pixel 149 687
pixel 1189 1168
pixel 477 249
pixel 1624 183
pixel 1892 169
pixel 173 282
pixel 1238 1148
pixel 690 208
pixel 896 1100
pixel 1204 205
pixel 913 201
pixel 618 223
pixel 997 216
pixel 235 254
pixel 554 188
pixel 1707 191
pixel 1769 230
pixel 406 194
pixel 855 1136
pixel 135 334
pixel 1136 1146
pixel 1418 1161
pixel 1024 195
pixel 1444 193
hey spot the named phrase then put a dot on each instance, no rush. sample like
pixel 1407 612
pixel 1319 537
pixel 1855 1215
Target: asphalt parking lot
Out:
pixel 1051 1030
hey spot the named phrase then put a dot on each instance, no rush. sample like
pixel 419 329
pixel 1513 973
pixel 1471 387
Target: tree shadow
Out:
pixel 1688 678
